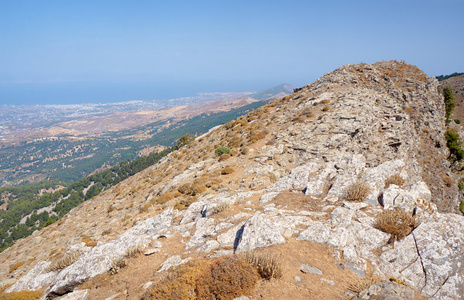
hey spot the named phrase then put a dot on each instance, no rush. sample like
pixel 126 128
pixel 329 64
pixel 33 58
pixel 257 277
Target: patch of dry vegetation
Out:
pixel 394 179
pixel 15 266
pixel 221 206
pixel 117 265
pixel 397 222
pixel 227 170
pixel 357 191
pixel 63 262
pixel 360 285
pixel 268 266
pixel 227 278
pixel 179 282
pixel 23 295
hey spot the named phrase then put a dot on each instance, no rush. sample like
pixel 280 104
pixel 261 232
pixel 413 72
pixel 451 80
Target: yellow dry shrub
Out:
pixel 221 206
pixel 198 189
pixel 227 170
pixel 228 277
pixel 145 207
pixel 117 265
pixel 394 179
pixel 23 295
pixel 134 250
pixel 397 222
pixel 63 262
pixel 224 157
pixel 185 203
pixel 267 265
pixel 15 266
pixel 179 282
pixel 357 191
pixel 360 285
pixel 164 198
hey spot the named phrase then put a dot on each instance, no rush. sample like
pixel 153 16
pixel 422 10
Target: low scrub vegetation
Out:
pixel 63 262
pixel 453 142
pixel 221 150
pixel 15 266
pixel 221 206
pixel 267 265
pixel 225 278
pixel 117 265
pixel 23 295
pixel 394 179
pixel 357 191
pixel 179 282
pixel 397 222
pixel 227 170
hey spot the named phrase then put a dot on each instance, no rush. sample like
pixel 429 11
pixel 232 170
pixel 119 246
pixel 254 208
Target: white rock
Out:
pixel 258 232
pixel 172 262
pixel 35 279
pixel 209 246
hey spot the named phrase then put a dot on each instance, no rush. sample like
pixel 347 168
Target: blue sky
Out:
pixel 108 51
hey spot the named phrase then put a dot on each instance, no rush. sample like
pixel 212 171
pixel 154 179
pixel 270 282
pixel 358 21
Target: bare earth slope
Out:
pixel 283 190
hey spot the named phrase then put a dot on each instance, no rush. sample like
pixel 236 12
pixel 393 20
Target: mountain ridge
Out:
pixel 282 189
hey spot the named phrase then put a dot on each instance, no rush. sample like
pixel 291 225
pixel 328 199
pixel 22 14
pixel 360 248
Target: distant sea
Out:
pixel 85 92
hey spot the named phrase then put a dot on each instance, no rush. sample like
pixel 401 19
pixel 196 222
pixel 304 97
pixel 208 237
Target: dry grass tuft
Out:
pixel 360 285
pixel 185 203
pixel 224 157
pixel 227 278
pixel 63 262
pixel 89 242
pixel 23 295
pixel 179 282
pixel 145 207
pixel 117 265
pixel 397 222
pixel 222 206
pixel 227 170
pixel 358 191
pixel 134 250
pixel 267 265
pixel 394 179
pixel 164 198
pixel 15 266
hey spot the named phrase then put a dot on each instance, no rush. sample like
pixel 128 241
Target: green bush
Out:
pixel 222 150
pixel 453 142
pixel 457 121
pixel 449 102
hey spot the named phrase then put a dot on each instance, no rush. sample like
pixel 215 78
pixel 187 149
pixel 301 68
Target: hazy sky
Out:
pixel 78 51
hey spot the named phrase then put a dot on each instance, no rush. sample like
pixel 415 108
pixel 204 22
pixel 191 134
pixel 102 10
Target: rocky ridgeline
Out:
pixel 358 123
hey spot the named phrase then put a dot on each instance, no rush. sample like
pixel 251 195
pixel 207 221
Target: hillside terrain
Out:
pixel 457 84
pixel 69 142
pixel 343 189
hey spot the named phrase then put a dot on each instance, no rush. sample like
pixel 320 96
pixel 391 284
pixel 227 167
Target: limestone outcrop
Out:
pixel 359 123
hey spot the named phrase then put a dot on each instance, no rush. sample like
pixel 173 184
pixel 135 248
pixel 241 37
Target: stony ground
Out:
pixel 283 191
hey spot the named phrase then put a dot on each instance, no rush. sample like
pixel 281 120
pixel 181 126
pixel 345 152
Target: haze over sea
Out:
pixel 69 52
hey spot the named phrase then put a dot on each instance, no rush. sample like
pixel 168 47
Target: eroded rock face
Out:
pixel 95 261
pixel 386 290
pixel 257 232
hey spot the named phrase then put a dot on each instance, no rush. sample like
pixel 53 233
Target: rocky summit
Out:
pixel 345 182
